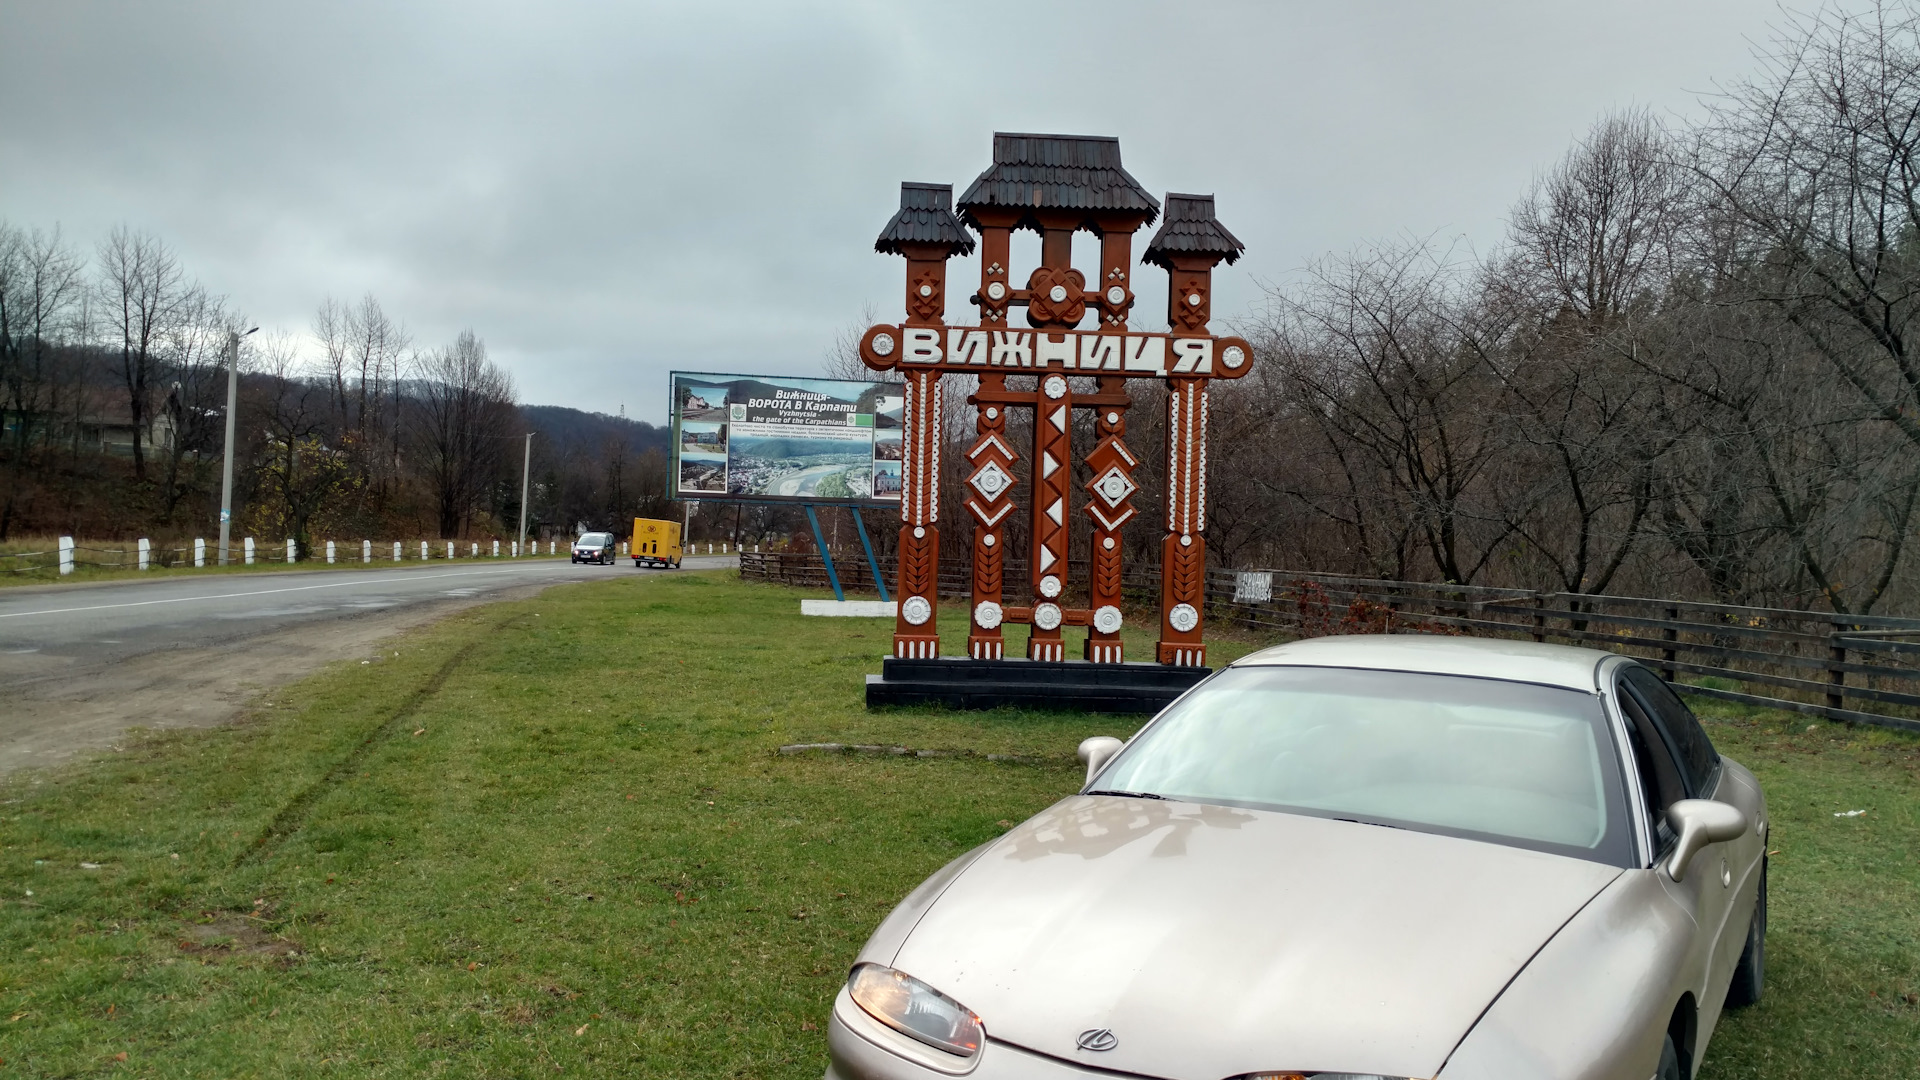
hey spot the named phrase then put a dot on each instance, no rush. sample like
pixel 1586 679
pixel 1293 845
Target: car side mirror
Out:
pixel 1096 752
pixel 1700 822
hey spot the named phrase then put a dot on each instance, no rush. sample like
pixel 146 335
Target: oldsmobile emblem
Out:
pixel 1096 1039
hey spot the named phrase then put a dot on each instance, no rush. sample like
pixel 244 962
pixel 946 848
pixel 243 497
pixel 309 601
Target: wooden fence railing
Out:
pixel 1855 668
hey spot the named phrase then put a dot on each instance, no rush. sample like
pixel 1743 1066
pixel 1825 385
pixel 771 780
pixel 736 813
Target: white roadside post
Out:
pixel 66 554
pixel 496 549
pixel 366 551
pixel 293 550
pixel 199 552
pixel 396 551
pixel 475 552
pixel 423 551
pixel 248 545
pixel 329 552
pixel 146 552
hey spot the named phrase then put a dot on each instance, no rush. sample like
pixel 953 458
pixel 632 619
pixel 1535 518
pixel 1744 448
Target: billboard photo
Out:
pixel 764 437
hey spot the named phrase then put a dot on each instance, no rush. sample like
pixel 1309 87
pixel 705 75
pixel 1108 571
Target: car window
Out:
pixel 1660 778
pixel 1515 763
pixel 1691 749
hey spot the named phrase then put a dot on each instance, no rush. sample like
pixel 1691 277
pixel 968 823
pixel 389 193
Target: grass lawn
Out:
pixel 555 837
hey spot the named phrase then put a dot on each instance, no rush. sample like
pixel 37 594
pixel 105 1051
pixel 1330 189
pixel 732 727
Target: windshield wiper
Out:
pixel 1128 794
pixel 1363 821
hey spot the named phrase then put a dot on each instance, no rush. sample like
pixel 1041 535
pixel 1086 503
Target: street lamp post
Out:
pixel 526 467
pixel 226 469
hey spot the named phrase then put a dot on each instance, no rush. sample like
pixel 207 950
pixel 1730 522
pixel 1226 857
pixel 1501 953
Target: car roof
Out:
pixel 1485 658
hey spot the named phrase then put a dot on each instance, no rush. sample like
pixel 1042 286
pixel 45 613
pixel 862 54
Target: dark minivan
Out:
pixel 596 547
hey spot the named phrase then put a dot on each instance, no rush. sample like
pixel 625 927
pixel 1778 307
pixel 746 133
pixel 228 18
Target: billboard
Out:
pixel 771 437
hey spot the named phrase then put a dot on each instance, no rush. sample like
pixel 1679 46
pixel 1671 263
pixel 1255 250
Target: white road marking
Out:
pixel 257 592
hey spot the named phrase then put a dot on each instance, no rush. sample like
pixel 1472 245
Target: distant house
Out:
pixel 103 423
pixel 696 403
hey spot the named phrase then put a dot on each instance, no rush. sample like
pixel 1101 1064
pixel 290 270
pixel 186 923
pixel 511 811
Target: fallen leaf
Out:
pixel 15 1017
pixel 473 965
pixel 808 1025
pixel 420 731
pixel 121 1056
pixel 581 1030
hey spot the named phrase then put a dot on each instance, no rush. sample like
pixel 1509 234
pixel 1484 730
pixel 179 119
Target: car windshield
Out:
pixel 593 539
pixel 1514 763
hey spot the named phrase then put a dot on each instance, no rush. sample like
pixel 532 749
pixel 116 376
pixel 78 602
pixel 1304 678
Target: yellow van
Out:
pixel 655 543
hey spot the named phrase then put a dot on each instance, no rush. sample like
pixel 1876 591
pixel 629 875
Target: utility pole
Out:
pixel 226 469
pixel 526 468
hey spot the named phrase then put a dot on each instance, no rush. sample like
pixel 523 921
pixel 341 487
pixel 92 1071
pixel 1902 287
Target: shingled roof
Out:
pixel 925 217
pixel 1190 229
pixel 1073 172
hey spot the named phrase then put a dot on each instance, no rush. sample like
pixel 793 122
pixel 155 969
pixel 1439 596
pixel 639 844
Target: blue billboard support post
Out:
pixel 866 545
pixel 826 556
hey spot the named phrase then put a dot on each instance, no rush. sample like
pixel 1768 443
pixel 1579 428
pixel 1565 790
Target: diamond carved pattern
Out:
pixel 1114 486
pixel 991 481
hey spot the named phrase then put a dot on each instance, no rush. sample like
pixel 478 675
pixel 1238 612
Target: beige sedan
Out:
pixel 1346 858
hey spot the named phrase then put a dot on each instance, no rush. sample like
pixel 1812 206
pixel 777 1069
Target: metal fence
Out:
pixel 1855 668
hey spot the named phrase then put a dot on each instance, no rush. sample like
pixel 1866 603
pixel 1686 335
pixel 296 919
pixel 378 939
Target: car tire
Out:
pixel 1749 974
pixel 1669 1062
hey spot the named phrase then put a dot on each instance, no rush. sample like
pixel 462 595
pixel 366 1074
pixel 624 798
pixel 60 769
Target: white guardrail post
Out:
pixel 366 551
pixel 66 554
pixel 199 552
pixel 248 544
pixel 423 551
pixel 449 551
pixel 329 552
pixel 293 550
pixel 396 551
pixel 146 552
pixel 496 549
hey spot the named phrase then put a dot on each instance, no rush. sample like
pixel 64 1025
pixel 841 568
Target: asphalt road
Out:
pixel 79 665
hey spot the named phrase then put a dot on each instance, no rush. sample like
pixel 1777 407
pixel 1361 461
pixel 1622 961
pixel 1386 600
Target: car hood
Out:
pixel 1213 941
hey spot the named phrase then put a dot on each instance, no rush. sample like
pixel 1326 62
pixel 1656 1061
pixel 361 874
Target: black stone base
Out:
pixel 1064 685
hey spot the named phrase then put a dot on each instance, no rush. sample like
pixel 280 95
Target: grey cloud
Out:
pixel 605 192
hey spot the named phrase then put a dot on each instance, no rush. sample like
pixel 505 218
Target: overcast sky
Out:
pixel 605 192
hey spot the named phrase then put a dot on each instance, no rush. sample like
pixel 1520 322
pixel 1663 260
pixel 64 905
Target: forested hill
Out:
pixel 569 431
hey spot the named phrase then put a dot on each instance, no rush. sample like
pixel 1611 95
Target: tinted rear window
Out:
pixel 1691 748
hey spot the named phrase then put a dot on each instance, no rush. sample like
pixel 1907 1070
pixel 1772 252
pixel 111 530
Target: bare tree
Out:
pixel 1815 170
pixel 140 285
pixel 194 351
pixel 1388 360
pixel 300 475
pixel 1593 251
pixel 465 411
pixel 40 286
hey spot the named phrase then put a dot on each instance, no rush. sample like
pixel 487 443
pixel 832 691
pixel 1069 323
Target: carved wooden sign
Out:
pixel 1055 185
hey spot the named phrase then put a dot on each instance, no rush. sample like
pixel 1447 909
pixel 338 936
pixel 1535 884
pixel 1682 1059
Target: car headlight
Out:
pixel 915 1009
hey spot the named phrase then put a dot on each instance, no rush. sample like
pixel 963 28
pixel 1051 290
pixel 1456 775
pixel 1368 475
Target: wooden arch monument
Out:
pixel 1055 185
